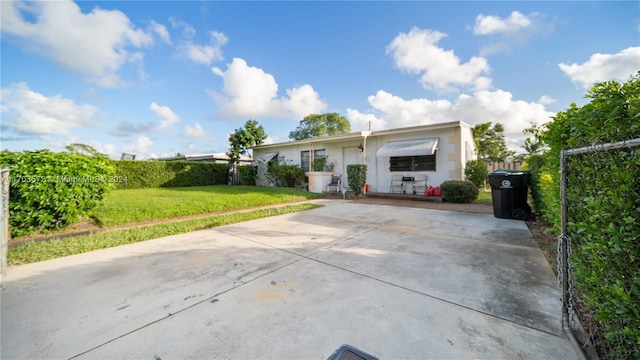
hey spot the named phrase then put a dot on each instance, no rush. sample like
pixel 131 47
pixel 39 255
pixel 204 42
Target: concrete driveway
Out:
pixel 395 282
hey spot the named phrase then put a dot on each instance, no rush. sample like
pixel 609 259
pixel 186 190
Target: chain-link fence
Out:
pixel 599 248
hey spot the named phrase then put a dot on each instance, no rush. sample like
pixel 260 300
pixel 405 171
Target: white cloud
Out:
pixel 604 67
pixel 141 147
pixel 196 132
pixel 269 140
pixel 491 24
pixel 391 111
pixel 417 52
pixel 161 31
pixel 303 101
pixel 362 121
pixel 203 54
pixel 513 31
pixel 169 118
pixel 250 92
pixel 30 113
pixel 546 100
pixel 95 45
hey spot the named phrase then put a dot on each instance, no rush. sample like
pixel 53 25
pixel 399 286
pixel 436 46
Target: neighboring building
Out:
pixel 220 158
pixel 439 151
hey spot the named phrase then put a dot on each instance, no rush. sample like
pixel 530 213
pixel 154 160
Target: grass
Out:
pixel 484 197
pixel 139 205
pixel 47 250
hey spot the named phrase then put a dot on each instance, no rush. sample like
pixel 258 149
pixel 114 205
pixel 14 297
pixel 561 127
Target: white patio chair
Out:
pixel 396 184
pixel 420 184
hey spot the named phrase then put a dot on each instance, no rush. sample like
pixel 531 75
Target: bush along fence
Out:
pixel 153 174
pixel 599 247
pixel 50 190
pixel 589 187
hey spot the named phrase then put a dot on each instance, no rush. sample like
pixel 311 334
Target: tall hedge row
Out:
pixel 603 198
pixel 51 190
pixel 153 174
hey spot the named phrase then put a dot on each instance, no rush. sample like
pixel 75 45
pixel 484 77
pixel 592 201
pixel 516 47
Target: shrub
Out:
pixel 247 175
pixel 534 164
pixel 280 173
pixel 50 190
pixel 476 171
pixel 153 174
pixel 357 177
pixel 457 191
pixel 321 163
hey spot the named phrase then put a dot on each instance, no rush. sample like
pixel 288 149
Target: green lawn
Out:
pixel 138 205
pixel 484 197
pixel 46 250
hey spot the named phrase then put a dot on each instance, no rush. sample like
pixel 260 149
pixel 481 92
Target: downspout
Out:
pixel 365 134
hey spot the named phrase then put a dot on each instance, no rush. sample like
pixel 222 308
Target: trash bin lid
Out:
pixel 508 172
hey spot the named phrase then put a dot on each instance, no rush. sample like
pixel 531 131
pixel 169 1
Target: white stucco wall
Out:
pixel 455 147
pixel 382 179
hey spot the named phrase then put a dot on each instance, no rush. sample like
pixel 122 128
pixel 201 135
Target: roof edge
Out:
pixel 361 134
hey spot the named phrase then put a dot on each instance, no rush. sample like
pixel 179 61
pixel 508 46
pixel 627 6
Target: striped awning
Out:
pixel 418 147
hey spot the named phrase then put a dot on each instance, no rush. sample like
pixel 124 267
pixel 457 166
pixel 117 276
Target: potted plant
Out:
pixel 320 174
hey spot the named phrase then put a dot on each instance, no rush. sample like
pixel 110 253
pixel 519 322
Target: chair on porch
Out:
pixel 396 184
pixel 420 184
pixel 336 181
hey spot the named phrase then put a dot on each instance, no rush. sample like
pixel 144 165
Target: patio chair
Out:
pixel 336 181
pixel 396 184
pixel 419 184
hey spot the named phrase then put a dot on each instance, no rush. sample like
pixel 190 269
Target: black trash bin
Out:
pixel 509 190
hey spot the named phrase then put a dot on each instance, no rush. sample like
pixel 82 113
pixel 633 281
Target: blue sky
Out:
pixel 158 78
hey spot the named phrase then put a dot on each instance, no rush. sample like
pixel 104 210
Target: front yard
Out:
pixel 129 216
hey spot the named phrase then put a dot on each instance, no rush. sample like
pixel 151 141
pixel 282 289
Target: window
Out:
pixel 413 163
pixel 304 158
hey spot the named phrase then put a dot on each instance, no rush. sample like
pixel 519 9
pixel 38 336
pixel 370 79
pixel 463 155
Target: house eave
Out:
pixel 364 134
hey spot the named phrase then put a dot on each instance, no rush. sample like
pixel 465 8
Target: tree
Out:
pixel 533 144
pixel 314 125
pixel 83 149
pixel 490 142
pixel 243 138
pixel 476 171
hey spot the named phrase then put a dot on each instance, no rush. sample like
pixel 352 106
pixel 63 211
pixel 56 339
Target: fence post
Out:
pixel 4 220
pixel 564 251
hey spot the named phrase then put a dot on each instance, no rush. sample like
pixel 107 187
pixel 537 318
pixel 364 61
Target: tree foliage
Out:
pixel 315 125
pixel 490 142
pixel 533 144
pixel 243 138
pixel 476 171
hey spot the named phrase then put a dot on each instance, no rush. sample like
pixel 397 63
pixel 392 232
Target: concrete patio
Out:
pixel 398 283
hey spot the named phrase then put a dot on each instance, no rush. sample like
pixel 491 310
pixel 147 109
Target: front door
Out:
pixel 350 155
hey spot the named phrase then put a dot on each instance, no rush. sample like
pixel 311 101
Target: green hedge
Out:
pixel 247 175
pixel 457 191
pixel 534 164
pixel 153 174
pixel 50 190
pixel 603 197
